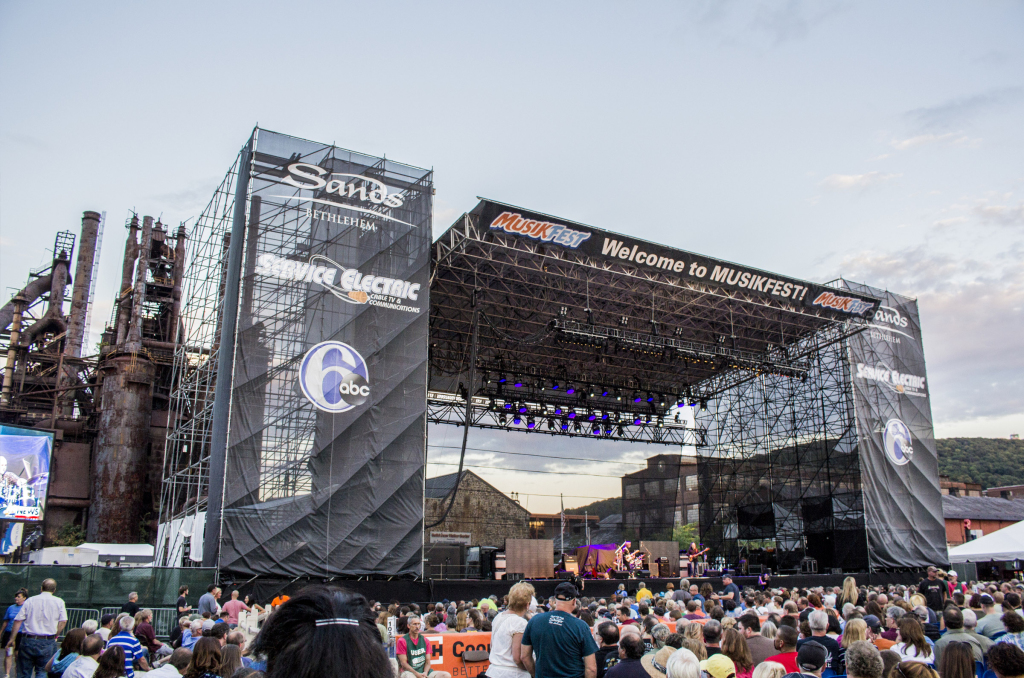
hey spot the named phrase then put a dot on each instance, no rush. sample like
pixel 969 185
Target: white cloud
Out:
pixel 853 182
pixel 928 139
pixel 1003 215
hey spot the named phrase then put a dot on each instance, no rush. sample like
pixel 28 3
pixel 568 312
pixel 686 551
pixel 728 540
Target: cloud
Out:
pixel 955 112
pixel 928 139
pixel 972 315
pixel 1002 215
pixel 792 20
pixel 854 182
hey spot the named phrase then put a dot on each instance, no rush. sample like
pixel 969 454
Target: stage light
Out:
pixel 563 311
pixel 569 389
pixel 501 378
pixel 591 416
pixel 637 421
pixel 604 393
pixel 704 404
pixel 530 423
pixel 620 431
pixel 517 420
pixel 551 424
pixel 519 383
pixel 565 425
pixel 597 430
pixel 554 386
pixel 608 430
pixel 650 397
pixel 638 398
pixel 661 422
pixel 662 403
pixel 572 415
pixel 647 419
pixel 522 409
pixel 558 410
pixel 503 420
pixel 508 406
pixel 618 394
pixel 604 416
pixel 677 417
pixel 593 392
pixel 487 377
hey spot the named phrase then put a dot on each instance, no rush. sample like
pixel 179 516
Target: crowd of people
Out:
pixel 938 627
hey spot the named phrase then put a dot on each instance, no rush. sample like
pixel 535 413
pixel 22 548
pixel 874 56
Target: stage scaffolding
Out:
pixel 780 478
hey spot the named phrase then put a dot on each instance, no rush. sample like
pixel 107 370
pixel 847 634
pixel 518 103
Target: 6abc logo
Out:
pixel 334 377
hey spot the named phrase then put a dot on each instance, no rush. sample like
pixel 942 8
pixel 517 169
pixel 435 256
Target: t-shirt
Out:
pixel 207 603
pixel 147 636
pixel 787 659
pixel 559 642
pixel 503 629
pixel 233 607
pixel 830 645
pixel 628 668
pixel 417 654
pixel 933 592
pixel 12 612
pixel 132 650
pixel 607 657
pixel 131 608
pixel 734 590
pixel 181 603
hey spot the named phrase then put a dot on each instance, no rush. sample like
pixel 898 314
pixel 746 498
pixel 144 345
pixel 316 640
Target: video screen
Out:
pixel 24 472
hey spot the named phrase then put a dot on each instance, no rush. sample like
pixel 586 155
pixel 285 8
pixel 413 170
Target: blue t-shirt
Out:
pixel 735 590
pixel 12 612
pixel 132 650
pixel 560 641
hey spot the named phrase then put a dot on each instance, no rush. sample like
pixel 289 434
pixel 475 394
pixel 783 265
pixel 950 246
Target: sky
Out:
pixel 877 141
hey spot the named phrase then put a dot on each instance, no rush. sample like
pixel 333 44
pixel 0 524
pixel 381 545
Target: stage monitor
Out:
pixel 24 472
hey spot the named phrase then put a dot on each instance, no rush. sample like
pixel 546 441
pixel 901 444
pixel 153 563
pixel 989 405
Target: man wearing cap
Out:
pixel 992 622
pixel 934 590
pixel 564 644
pixel 785 643
pixel 729 590
pixel 719 666
pixel 811 659
pixel 874 625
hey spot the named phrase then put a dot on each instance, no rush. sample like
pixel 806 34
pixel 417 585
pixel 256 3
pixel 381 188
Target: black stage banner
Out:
pixel 327 431
pixel 496 216
pixel 899 464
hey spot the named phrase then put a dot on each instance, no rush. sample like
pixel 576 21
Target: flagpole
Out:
pixel 561 500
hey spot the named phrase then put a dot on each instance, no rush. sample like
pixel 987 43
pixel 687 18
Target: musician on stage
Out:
pixel 692 554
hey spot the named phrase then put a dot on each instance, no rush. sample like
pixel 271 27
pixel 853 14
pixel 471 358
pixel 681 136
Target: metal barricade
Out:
pixel 111 610
pixel 163 619
pixel 77 615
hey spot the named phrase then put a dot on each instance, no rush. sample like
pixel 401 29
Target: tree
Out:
pixel 69 535
pixel 686 534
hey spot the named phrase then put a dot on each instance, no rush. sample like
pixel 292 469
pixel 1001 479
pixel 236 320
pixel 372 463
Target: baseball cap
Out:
pixel 872 621
pixel 566 591
pixel 720 666
pixel 811 656
pixel 986 599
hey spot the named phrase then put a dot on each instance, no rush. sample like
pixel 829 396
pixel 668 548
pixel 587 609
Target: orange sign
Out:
pixel 446 651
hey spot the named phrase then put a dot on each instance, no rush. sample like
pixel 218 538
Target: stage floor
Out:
pixel 436 590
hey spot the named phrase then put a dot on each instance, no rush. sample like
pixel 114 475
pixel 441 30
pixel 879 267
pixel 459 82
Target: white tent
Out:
pixel 1004 544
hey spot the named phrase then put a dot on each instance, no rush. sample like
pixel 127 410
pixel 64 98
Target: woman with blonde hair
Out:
pixel 913 669
pixel 856 629
pixel 850 593
pixel 694 632
pixel 697 647
pixel 769 670
pixel 461 621
pixel 769 631
pixel 507 635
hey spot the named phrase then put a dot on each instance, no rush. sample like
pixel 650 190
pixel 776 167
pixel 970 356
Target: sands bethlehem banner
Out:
pixel 327 433
pixel 899 464
pixel 678 264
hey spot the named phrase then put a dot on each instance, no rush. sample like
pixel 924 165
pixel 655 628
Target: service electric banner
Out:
pixel 327 431
pixel 542 228
pixel 899 464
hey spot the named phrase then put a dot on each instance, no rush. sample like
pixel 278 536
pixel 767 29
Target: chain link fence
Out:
pixel 95 588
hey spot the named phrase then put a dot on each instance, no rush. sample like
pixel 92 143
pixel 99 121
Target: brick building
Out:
pixel 987 514
pixel 480 510
pixel 659 497
pixel 957 489
pixel 1006 492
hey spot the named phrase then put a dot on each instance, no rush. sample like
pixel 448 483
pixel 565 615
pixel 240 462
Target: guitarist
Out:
pixel 692 554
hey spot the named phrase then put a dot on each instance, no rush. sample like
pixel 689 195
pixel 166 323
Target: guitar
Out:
pixel 698 554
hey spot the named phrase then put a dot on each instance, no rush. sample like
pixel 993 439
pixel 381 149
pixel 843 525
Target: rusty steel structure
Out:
pixel 107 404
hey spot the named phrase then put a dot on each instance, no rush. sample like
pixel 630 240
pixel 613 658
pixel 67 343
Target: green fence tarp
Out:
pixel 96 587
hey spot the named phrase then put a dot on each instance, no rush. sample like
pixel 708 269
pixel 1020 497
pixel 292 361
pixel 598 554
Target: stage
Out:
pixel 436 590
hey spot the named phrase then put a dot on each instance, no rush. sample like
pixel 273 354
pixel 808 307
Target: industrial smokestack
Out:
pixel 124 293
pixel 82 283
pixel 177 276
pixel 133 344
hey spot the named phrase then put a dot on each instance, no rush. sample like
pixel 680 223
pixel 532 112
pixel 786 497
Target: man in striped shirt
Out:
pixel 132 648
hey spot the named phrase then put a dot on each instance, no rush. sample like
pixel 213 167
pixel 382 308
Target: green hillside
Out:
pixel 602 508
pixel 993 462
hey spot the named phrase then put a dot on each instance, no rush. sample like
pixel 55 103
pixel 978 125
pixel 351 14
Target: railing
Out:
pixel 162 618
pixel 78 615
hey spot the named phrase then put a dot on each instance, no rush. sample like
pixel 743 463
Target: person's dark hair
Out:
pixel 23 592
pixel 180 658
pixel 734 646
pixel 230 660
pixel 872 607
pixel 632 646
pixel 210 588
pixel 916 670
pixel 219 631
pixel 912 634
pixel 73 642
pixel 674 640
pixel 296 647
pixel 1006 659
pixel 750 621
pixel 205 658
pixel 643 610
pixel 1013 622
pixel 954 618
pixel 712 632
pixel 111 663
pixel 182 589
pixel 889 661
pixel 957 661
pixel 624 611
pixel 609 633
pixel 1012 599
pixel 586 617
pixel 787 635
pixel 649 623
pixel 717 613
pixel 92 644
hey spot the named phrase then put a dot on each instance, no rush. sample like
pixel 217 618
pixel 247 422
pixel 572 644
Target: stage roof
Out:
pixel 562 303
